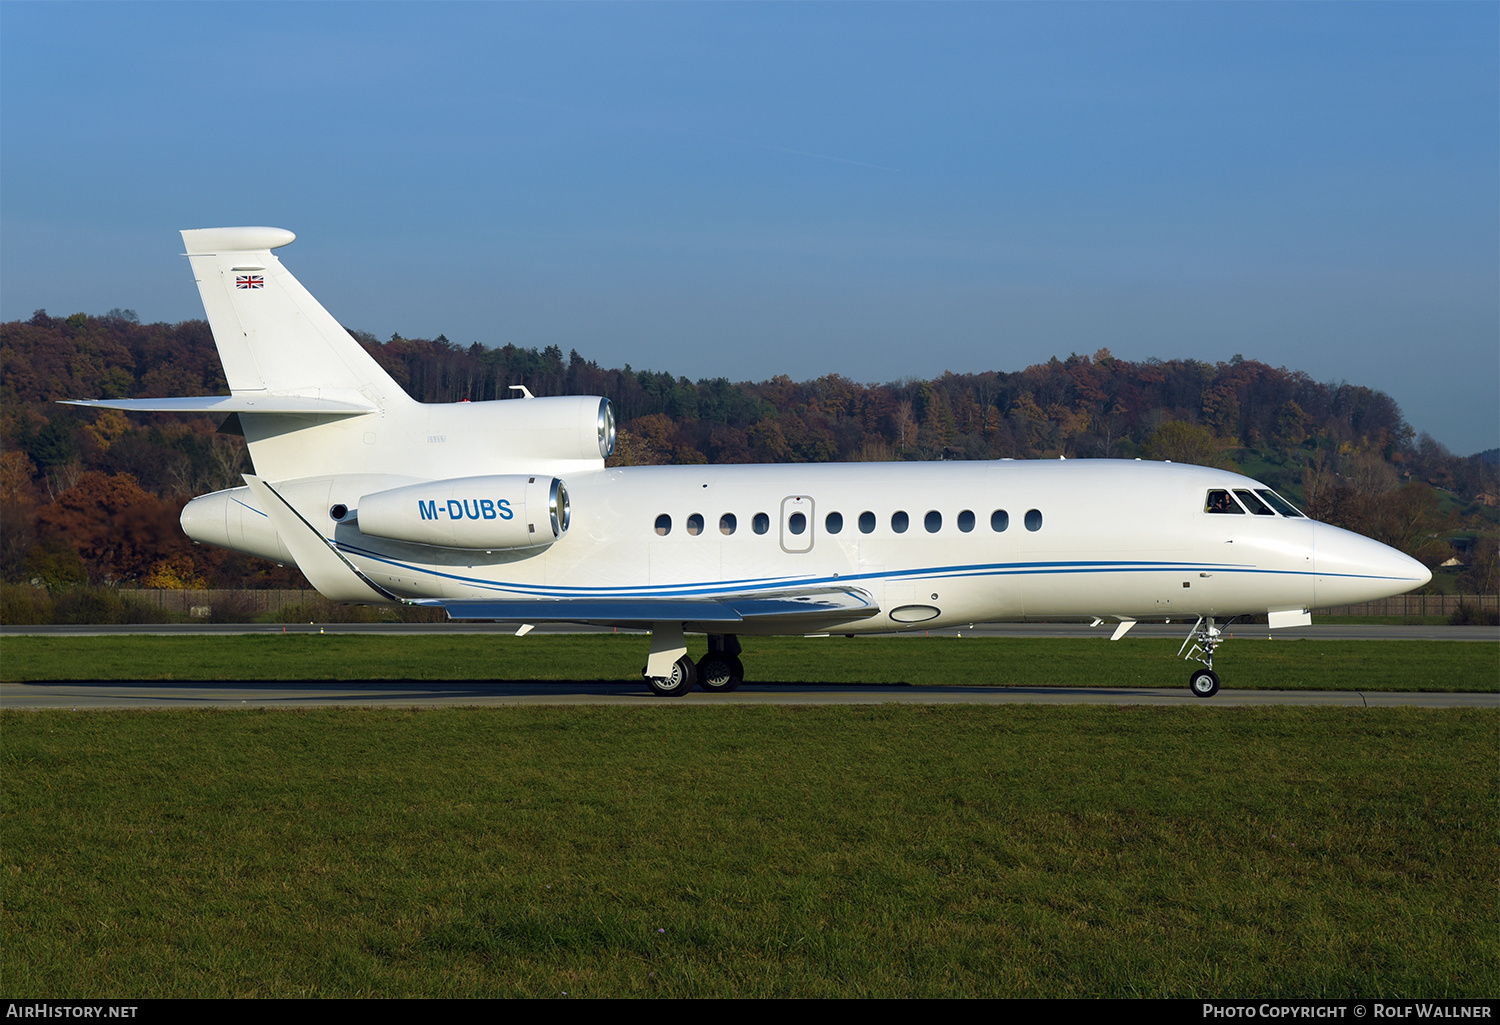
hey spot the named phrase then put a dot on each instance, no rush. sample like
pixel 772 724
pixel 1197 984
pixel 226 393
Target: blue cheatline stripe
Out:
pixel 741 586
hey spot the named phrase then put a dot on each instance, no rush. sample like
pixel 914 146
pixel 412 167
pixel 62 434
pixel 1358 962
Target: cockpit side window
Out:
pixel 1252 503
pixel 1220 501
pixel 1278 503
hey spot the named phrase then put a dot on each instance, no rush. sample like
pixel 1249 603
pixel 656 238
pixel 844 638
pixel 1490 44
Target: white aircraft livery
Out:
pixel 505 511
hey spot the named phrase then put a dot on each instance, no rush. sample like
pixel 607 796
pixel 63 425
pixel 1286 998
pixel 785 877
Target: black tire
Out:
pixel 1204 683
pixel 684 676
pixel 719 673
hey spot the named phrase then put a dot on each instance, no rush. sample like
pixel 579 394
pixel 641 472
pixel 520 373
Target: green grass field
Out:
pixel 749 851
pixel 921 661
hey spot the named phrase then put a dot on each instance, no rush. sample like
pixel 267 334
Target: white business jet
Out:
pixel 504 511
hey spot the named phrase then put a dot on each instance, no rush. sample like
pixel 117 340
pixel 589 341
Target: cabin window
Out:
pixel 761 523
pixel 727 523
pixel 663 525
pixel 999 520
pixel 834 523
pixel 1255 505
pixel 1278 503
pixel 966 520
pixel 796 523
pixel 867 523
pixel 899 522
pixel 1033 519
pixel 933 521
pixel 695 524
pixel 1220 501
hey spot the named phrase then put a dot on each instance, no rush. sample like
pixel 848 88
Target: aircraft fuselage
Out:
pixel 934 544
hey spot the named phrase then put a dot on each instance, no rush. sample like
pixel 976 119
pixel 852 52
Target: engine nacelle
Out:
pixel 494 513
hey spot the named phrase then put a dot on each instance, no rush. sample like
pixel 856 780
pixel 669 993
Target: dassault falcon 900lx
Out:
pixel 505 511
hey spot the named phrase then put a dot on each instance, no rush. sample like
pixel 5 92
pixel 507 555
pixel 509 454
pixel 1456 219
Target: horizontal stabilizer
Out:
pixel 814 604
pixel 224 404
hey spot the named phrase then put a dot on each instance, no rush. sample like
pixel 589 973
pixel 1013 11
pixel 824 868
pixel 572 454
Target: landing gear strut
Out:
pixel 1204 638
pixel 669 672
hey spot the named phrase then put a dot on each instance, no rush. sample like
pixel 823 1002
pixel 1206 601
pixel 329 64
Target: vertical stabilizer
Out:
pixel 273 337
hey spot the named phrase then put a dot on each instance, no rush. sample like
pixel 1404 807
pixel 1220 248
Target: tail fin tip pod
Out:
pixel 205 241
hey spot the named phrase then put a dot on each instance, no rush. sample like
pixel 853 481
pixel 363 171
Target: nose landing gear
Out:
pixel 1204 638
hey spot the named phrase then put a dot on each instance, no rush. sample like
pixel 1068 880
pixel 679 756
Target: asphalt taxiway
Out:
pixel 79 696
pixel 189 694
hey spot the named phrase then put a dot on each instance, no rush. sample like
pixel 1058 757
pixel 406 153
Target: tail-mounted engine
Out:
pixel 493 513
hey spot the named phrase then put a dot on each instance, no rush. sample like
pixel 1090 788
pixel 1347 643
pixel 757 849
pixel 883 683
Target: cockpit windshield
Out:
pixel 1278 503
pixel 1221 500
pixel 1252 503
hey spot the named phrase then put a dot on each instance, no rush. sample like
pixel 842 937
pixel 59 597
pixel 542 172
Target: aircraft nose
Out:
pixel 1351 568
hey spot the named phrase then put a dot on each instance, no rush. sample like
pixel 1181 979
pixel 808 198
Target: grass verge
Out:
pixel 750 851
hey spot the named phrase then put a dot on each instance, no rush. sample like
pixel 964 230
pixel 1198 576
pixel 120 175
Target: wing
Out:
pixel 793 610
pixel 790 609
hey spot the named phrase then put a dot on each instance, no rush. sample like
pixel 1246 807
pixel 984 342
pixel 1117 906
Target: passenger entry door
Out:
pixel 796 524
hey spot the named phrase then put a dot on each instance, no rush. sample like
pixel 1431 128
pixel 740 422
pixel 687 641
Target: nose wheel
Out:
pixel 1204 683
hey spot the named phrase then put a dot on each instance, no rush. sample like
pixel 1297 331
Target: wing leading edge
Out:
pixel 288 404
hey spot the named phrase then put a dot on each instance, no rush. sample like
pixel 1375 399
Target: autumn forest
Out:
pixel 91 497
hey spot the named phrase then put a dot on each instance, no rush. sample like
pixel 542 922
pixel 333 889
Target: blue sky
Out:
pixel 744 190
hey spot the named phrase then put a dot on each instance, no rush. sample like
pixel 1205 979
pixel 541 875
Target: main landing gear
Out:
pixel 1204 638
pixel 720 671
pixel 678 681
pixel 670 673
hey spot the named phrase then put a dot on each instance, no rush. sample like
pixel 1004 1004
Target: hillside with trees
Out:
pixel 92 496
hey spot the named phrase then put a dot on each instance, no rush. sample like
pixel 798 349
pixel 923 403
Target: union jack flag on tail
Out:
pixel 249 281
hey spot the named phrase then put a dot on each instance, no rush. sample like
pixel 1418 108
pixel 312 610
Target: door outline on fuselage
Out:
pixel 790 506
